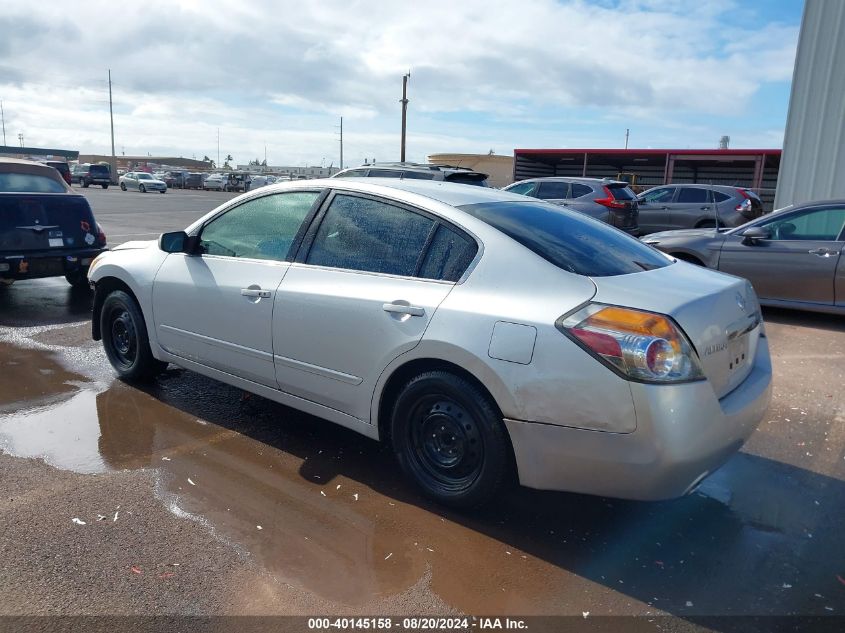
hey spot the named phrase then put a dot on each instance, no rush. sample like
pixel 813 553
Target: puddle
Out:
pixel 337 519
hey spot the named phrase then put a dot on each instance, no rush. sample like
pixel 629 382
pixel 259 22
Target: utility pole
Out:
pixel 404 112
pixel 341 142
pixel 3 116
pixel 218 149
pixel 20 138
pixel 111 118
pixel 627 131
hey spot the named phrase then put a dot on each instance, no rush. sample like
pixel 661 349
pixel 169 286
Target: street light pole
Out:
pixel 3 116
pixel 404 112
pixel 341 142
pixel 111 119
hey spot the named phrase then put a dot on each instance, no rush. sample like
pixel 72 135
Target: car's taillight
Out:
pixel 638 345
pixel 101 236
pixel 745 208
pixel 610 201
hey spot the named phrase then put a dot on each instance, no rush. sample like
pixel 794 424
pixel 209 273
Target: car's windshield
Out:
pixel 569 240
pixel 144 177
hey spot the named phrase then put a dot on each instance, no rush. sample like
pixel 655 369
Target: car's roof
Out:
pixel 19 166
pixel 591 181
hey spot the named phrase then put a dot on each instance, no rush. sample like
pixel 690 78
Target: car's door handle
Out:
pixel 821 252
pixel 399 308
pixel 255 292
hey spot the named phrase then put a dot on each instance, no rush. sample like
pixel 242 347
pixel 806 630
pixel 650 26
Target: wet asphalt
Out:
pixel 186 496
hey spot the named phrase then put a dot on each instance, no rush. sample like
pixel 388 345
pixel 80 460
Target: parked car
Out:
pixel 217 182
pixel 610 201
pixel 417 171
pixel 194 180
pixel 142 181
pixel 479 332
pixel 96 174
pixel 178 178
pixel 792 257
pixel 46 230
pixel 258 181
pixel 687 206
pixel 60 166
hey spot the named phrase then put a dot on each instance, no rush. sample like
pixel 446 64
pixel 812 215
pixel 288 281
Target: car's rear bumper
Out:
pixel 683 434
pixel 40 264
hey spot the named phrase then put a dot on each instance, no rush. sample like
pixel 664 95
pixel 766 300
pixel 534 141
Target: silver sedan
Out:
pixel 482 334
pixel 142 181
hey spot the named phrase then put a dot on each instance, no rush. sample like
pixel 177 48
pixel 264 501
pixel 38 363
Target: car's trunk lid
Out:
pixel 45 222
pixel 717 312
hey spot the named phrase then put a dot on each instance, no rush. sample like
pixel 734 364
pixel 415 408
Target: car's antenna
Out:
pixel 713 202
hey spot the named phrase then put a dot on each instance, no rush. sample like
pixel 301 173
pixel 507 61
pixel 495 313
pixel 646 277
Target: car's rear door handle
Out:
pixel 255 292
pixel 821 252
pixel 399 308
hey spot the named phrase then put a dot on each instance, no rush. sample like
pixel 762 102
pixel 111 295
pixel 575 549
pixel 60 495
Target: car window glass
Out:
pixel 354 173
pixel 262 228
pixel 553 190
pixel 693 194
pixel 821 224
pixel 523 188
pixel 568 239
pixel 418 175
pixel 578 190
pixel 720 197
pixel 385 173
pixel 30 183
pixel 448 255
pixel 369 235
pixel 659 195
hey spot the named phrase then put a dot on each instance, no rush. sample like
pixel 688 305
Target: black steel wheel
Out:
pixel 125 338
pixel 450 440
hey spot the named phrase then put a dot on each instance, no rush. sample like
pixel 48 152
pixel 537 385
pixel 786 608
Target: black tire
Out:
pixel 123 186
pixel 706 224
pixel 125 338
pixel 162 190
pixel 105 186
pixel 688 258
pixel 84 184
pixel 78 279
pixel 142 189
pixel 450 440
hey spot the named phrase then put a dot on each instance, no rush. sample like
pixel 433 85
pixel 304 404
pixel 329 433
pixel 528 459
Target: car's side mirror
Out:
pixel 177 242
pixel 754 234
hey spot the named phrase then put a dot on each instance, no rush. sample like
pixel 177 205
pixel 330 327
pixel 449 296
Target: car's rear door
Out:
pixel 692 206
pixel 800 260
pixel 361 292
pixel 215 307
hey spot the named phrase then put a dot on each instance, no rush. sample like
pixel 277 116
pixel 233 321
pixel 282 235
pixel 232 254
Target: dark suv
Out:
pixel 46 230
pixel 611 201
pixel 87 175
pixel 418 171
pixel 60 166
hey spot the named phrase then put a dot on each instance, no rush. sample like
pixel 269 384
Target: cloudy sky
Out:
pixel 484 75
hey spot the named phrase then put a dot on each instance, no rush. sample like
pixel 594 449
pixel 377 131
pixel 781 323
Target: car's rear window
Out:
pixel 621 192
pixel 569 240
pixel 468 179
pixel 45 222
pixel 30 183
pixel 99 169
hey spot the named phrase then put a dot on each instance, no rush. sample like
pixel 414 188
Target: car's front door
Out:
pixel 654 209
pixel 798 262
pixel 215 307
pixel 363 294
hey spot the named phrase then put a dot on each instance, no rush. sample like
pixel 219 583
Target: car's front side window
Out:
pixel 659 195
pixel 553 190
pixel 522 188
pixel 816 225
pixel 261 228
pixel 371 236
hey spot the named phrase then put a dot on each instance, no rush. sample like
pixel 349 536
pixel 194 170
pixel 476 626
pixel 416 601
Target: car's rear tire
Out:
pixel 450 440
pixel 706 224
pixel 142 189
pixel 125 338
pixel 78 279
pixel 162 190
pixel 84 184
pixel 105 186
pixel 123 186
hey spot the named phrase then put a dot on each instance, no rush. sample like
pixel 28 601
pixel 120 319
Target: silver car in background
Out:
pixel 482 334
pixel 696 206
pixel 142 181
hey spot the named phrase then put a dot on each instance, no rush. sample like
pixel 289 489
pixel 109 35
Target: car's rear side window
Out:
pixel 578 190
pixel 468 179
pixel 30 183
pixel 567 239
pixel 371 236
pixel 448 255
pixel 418 175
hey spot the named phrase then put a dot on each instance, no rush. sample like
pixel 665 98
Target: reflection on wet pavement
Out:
pixel 325 510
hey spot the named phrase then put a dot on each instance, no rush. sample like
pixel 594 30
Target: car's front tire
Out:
pixel 104 186
pixel 142 189
pixel 84 184
pixel 125 338
pixel 162 190
pixel 449 438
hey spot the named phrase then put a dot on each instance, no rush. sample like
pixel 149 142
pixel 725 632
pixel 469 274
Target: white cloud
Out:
pixel 283 72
